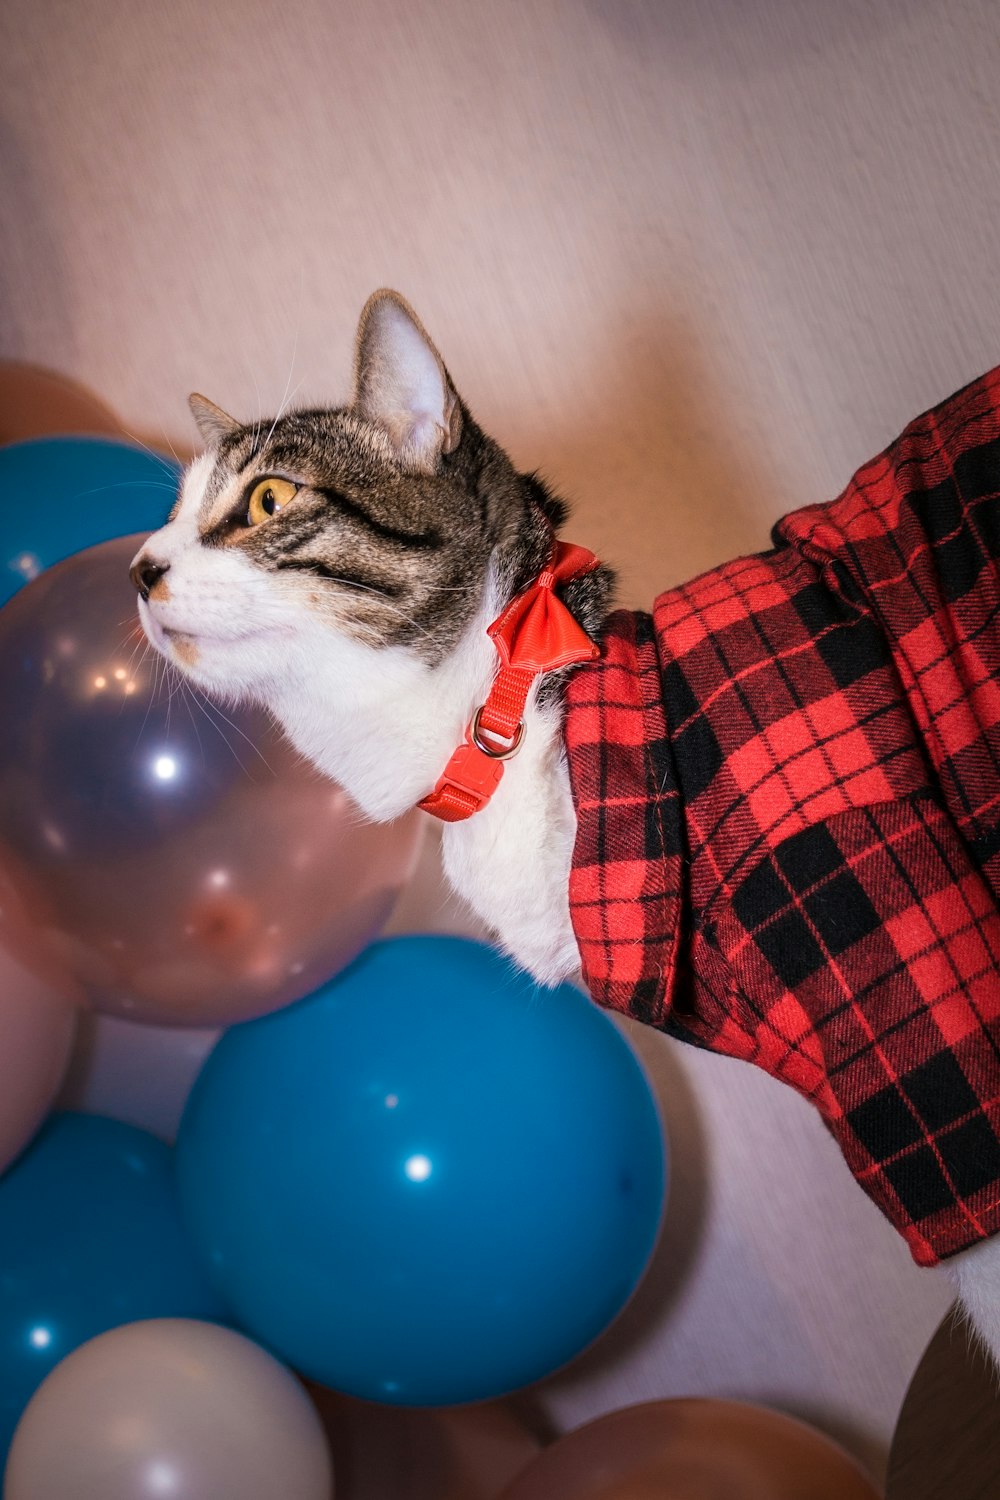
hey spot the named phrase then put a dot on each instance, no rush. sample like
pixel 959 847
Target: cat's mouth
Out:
pixel 179 646
pixel 185 645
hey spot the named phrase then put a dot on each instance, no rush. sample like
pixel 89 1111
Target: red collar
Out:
pixel 535 634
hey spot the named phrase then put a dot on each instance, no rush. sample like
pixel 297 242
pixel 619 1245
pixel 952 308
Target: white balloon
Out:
pixel 169 1408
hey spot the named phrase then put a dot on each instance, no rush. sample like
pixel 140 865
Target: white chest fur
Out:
pixel 511 860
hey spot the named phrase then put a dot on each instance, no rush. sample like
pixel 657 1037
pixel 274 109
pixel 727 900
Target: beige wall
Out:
pixel 696 259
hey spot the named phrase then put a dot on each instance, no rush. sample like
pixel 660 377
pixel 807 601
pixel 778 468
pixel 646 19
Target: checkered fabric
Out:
pixel 787 783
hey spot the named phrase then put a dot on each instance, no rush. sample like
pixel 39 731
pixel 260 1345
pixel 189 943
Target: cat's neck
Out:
pixel 384 725
pixel 511 861
pixel 383 722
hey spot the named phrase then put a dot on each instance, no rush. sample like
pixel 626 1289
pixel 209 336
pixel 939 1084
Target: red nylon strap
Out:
pixel 535 634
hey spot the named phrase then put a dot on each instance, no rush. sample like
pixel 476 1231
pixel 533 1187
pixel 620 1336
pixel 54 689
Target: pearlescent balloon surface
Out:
pixel 164 859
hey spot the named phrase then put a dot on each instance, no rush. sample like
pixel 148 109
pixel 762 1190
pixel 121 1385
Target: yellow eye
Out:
pixel 267 498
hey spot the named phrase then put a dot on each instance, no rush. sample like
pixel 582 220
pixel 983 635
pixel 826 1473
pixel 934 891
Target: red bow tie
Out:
pixel 535 634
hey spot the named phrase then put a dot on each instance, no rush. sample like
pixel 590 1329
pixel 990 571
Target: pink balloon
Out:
pixel 36 1037
pixel 693 1450
pixel 168 861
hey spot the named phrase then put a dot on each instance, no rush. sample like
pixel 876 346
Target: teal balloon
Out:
pixel 431 1182
pixel 90 1238
pixel 59 495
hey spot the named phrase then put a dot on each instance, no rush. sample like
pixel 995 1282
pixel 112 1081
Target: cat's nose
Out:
pixel 146 573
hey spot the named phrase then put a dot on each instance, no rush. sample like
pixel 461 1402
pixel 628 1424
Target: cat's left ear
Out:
pixel 212 422
pixel 401 384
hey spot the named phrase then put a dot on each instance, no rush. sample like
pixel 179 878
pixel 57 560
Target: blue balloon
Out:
pixel 90 1238
pixel 59 495
pixel 429 1183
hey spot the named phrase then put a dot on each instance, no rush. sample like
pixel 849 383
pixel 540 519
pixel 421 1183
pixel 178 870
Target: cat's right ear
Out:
pixel 401 384
pixel 212 422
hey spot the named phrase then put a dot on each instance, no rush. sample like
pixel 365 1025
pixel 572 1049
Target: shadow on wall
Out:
pixel 681 1236
pixel 661 480
pixel 866 1447
pixel 726 36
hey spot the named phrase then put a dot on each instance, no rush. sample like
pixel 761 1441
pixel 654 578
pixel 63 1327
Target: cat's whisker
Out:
pixel 124 484
pixel 259 422
pixel 174 681
pixel 286 401
pixel 368 588
pixel 154 695
pixel 176 456
pixel 202 704
pixel 140 651
pixel 186 700
pixel 205 704
pixel 135 438
pixel 162 676
pixel 134 638
pixel 286 398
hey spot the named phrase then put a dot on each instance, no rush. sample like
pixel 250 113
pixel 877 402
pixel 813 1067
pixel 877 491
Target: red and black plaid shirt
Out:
pixel 787 783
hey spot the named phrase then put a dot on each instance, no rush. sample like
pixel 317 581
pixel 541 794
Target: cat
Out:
pixel 364 571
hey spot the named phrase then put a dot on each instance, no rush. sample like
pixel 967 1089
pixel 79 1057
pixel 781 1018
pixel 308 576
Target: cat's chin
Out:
pixel 167 638
pixel 218 682
pixel 211 663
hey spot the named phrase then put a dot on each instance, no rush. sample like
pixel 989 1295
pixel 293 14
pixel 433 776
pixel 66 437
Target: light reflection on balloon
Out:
pixel 418 1168
pixel 173 862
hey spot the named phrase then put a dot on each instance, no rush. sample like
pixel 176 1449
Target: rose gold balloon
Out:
pixel 36 403
pixel 36 1036
pixel 395 1453
pixel 169 1407
pixel 171 861
pixel 693 1450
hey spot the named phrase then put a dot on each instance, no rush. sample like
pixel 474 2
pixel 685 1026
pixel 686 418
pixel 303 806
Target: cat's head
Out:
pixel 381 524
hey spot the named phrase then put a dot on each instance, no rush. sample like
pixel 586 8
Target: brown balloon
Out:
pixel 163 858
pixel 693 1450
pixel 35 402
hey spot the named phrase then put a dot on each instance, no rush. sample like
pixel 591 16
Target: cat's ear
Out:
pixel 401 384
pixel 212 422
